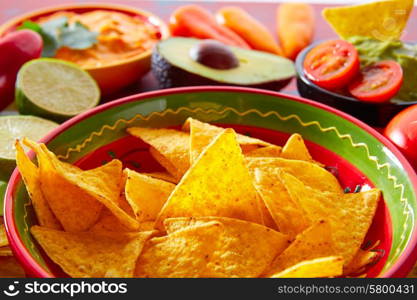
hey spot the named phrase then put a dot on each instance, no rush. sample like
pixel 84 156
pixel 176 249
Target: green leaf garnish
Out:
pixel 77 36
pixel 57 33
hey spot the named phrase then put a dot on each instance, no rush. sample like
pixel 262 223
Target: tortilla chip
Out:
pixel 74 208
pixel 349 215
pixel 75 196
pixel 314 242
pixel 6 251
pixel 184 253
pixel 269 151
pixel 92 254
pixel 147 226
pixel 309 173
pixel 244 249
pixel 361 259
pixel 108 222
pixel 10 268
pixel 218 184
pixel 295 148
pixel 171 148
pixel 30 175
pixel 202 134
pixel 3 236
pixel 210 248
pixel 287 214
pixel 383 20
pixel 266 215
pixel 330 266
pixel 163 176
pixel 146 195
pixel 125 206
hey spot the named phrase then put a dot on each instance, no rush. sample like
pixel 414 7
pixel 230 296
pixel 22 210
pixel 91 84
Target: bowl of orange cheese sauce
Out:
pixel 125 38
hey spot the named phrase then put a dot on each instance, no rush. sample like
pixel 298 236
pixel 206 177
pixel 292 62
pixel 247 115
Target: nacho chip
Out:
pixel 146 195
pixel 6 251
pixel 382 20
pixel 361 259
pixel 314 242
pixel 202 134
pixel 184 253
pixel 309 173
pixel 295 148
pixel 287 214
pixel 266 215
pixel 269 151
pixel 349 215
pixel 125 206
pixel 3 236
pixel 244 248
pixel 109 222
pixel 30 175
pixel 210 247
pixel 330 266
pixel 74 208
pixel 163 176
pixel 92 254
pixel 171 148
pixel 75 196
pixel 10 268
pixel 218 184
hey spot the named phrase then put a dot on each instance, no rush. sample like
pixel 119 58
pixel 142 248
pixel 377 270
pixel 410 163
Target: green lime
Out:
pixel 3 186
pixel 18 127
pixel 55 89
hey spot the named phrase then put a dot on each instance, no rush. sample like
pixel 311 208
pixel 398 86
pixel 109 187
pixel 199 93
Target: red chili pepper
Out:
pixel 195 21
pixel 16 48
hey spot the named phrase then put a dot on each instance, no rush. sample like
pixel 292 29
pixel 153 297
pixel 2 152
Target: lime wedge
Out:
pixel 55 89
pixel 18 127
pixel 3 186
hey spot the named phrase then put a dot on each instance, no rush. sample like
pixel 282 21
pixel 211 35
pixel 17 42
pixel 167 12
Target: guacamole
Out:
pixel 371 51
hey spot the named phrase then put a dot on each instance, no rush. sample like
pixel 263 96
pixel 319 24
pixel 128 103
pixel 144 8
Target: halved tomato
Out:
pixel 378 82
pixel 332 64
pixel 402 131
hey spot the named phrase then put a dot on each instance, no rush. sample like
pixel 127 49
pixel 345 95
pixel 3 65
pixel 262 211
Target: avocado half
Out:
pixel 173 66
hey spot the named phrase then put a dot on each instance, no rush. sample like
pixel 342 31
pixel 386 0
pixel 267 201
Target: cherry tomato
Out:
pixel 332 64
pixel 378 82
pixel 402 131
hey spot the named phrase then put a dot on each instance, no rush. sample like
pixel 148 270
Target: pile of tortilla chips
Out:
pixel 228 205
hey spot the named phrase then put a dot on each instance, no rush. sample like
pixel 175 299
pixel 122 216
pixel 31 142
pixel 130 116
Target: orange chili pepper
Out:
pixel 250 29
pixel 195 21
pixel 295 27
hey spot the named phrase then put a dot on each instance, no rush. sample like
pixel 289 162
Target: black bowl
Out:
pixel 375 114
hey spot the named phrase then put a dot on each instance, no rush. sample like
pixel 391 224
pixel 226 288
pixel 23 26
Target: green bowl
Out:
pixel 360 154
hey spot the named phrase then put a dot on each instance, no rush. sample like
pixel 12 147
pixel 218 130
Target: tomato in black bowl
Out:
pixel 374 113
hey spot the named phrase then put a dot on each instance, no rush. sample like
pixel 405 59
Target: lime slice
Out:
pixel 3 186
pixel 55 89
pixel 18 127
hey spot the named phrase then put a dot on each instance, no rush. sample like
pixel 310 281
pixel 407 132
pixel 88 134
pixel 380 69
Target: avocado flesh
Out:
pixel 173 66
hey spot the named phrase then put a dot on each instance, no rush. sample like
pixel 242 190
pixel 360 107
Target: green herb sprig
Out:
pixel 58 33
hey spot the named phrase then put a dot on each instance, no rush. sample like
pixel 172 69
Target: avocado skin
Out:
pixel 169 76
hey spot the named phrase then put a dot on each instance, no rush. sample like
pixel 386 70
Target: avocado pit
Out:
pixel 214 54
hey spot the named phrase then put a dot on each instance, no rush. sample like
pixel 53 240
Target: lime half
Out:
pixel 18 127
pixel 55 89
